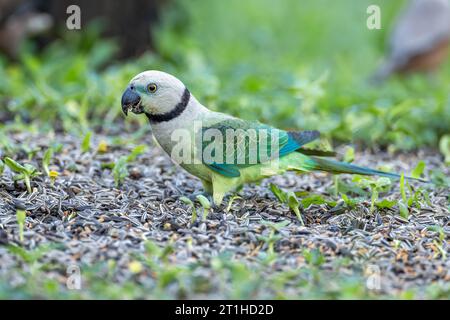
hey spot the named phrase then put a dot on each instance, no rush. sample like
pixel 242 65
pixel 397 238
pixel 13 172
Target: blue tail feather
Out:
pixel 334 166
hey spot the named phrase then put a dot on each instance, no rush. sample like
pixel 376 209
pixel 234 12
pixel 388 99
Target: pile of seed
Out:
pixel 97 221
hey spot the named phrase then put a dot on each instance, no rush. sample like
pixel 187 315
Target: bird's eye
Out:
pixel 152 87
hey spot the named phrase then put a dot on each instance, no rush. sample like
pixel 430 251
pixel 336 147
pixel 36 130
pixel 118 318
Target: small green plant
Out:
pixel 439 230
pixel 349 156
pixel 157 259
pixel 278 193
pixel 412 198
pixel 31 152
pixel 402 187
pixel 137 151
pixel 440 242
pixel 350 203
pixel 415 198
pixel 444 147
pixel 418 170
pixel 309 199
pixel 20 216
pixel 273 237
pixel 120 168
pixel 205 204
pixel 376 187
pixel 86 143
pixel 46 161
pixel 288 198
pixel 403 209
pixel 439 178
pixel 314 257
pixel 295 205
pixel 189 202
pixel 385 204
pixel 230 202
pixel 25 172
pixel 57 147
pixel 31 256
pixel 2 167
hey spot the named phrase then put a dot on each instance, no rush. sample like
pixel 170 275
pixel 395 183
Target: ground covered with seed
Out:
pixel 86 237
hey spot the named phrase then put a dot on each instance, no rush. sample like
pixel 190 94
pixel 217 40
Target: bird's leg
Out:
pixel 207 187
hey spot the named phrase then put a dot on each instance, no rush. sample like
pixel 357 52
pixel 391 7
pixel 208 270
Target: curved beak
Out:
pixel 131 101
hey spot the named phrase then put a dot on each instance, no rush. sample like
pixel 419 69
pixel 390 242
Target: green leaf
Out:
pixel 275 226
pixel 403 208
pixel 86 143
pixel 402 187
pixel 373 199
pixel 25 172
pixel 440 178
pixel 230 202
pixel 336 185
pixel 203 201
pixel 383 184
pixel 57 147
pixel 2 167
pixel 187 201
pixel 27 180
pixel 418 170
pixel 108 165
pixel 294 205
pixel 351 187
pixel 314 257
pixel 30 256
pixel 363 182
pixel 444 147
pixel 278 193
pixel 349 155
pixel 439 230
pixel 137 151
pixel 314 199
pixel 20 216
pixel 120 171
pixel 46 161
pixel 385 203
pixel 15 166
pixel 350 202
pixel 19 177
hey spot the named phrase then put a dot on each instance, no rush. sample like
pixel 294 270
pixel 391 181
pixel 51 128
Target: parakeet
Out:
pixel 224 152
pixel 420 38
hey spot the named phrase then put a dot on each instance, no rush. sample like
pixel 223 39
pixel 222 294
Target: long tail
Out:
pixel 334 166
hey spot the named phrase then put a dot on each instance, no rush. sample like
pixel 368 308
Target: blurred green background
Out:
pixel 293 64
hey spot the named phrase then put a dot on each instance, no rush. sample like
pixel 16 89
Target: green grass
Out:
pixel 292 64
pixel 302 64
pixel 152 275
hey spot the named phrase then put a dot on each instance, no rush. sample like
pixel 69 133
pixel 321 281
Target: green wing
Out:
pixel 234 144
